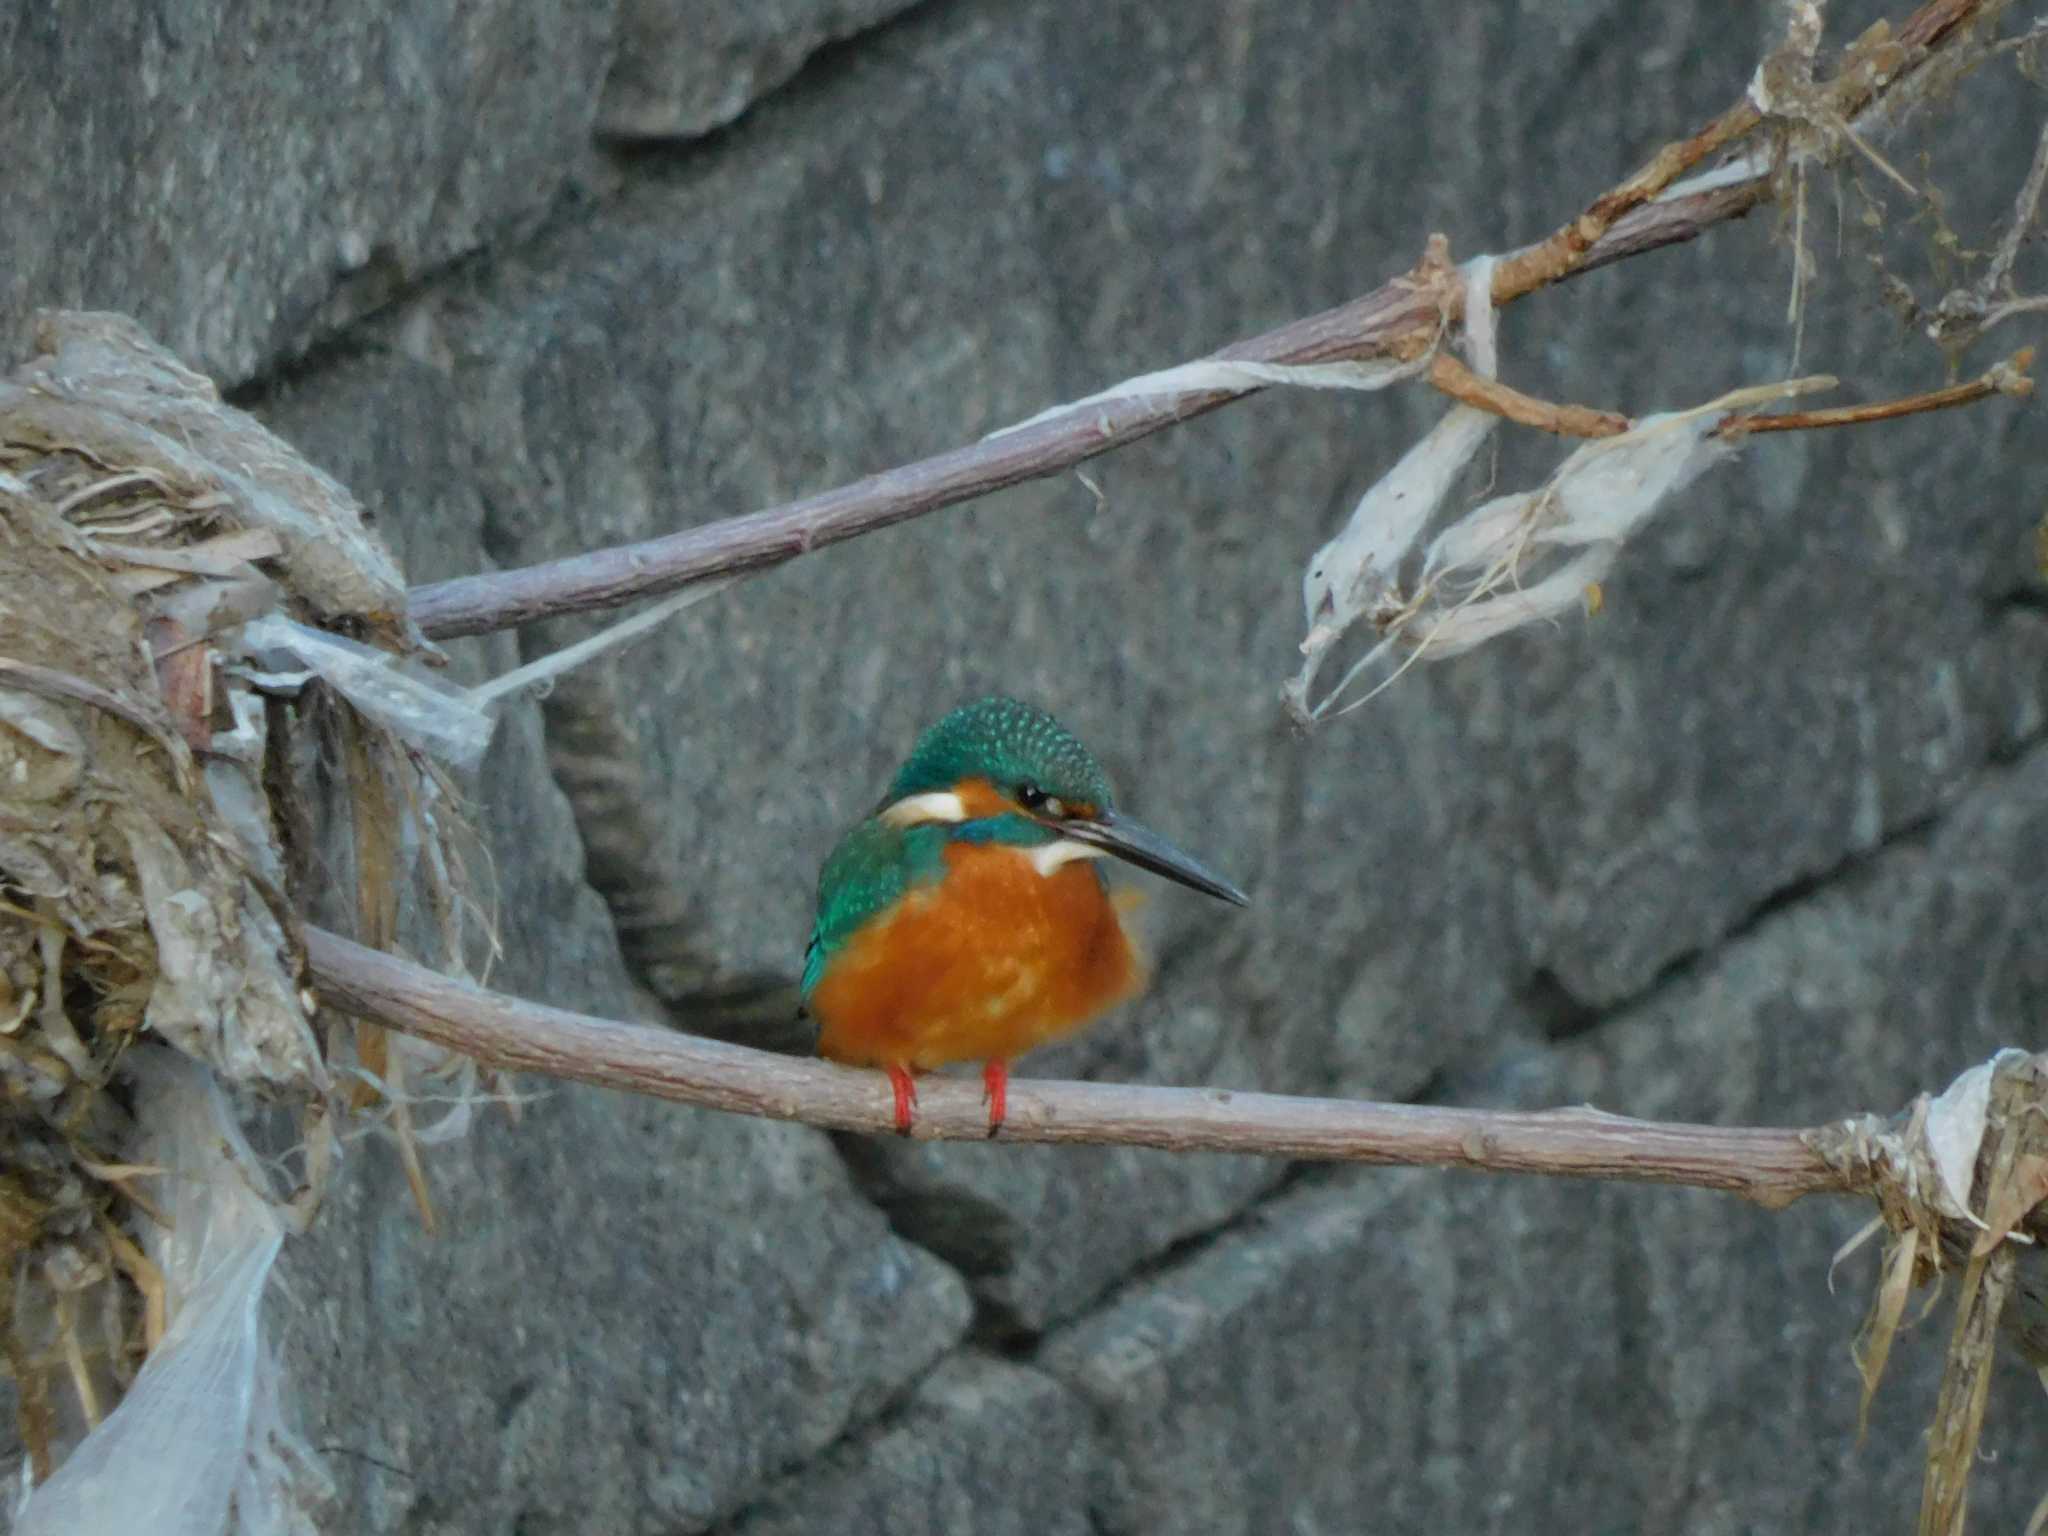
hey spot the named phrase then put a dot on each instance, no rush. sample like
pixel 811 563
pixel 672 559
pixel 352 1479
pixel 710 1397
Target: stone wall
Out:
pixel 1764 843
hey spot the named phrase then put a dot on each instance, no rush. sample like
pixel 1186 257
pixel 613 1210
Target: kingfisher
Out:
pixel 965 919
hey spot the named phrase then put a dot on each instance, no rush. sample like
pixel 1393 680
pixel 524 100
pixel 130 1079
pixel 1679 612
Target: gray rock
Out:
pixel 385 424
pixel 981 1448
pixel 640 1316
pixel 1786 672
pixel 635 1313
pixel 243 179
pixel 1010 1218
pixel 683 68
pixel 1514 1354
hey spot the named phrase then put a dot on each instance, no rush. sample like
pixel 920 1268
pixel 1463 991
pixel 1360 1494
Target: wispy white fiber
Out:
pixel 1358 571
pixel 1216 373
pixel 1498 567
pixel 538 674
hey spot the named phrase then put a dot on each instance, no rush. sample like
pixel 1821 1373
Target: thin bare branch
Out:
pixel 1401 318
pixel 1469 388
pixel 1566 252
pixel 2026 208
pixel 1999 313
pixel 1773 1167
pixel 2008 378
pixel 1962 317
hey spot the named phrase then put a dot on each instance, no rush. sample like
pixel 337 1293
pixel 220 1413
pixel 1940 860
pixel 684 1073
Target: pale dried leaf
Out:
pixel 222 555
pixel 222 992
pixel 1887 1310
pixel 1954 1136
pixel 439 719
pixel 1486 618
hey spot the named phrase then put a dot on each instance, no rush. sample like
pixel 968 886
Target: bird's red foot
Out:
pixel 995 1088
pixel 905 1089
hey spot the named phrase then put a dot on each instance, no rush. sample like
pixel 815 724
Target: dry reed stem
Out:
pixel 1965 1385
pixel 146 1277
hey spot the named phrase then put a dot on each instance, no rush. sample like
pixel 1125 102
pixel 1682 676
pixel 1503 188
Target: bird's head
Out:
pixel 999 757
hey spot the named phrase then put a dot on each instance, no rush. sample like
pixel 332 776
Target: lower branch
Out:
pixel 1772 1167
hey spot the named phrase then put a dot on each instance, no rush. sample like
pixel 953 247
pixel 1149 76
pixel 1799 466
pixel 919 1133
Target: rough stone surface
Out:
pixel 1027 1225
pixel 1807 654
pixel 683 67
pixel 634 1314
pixel 1513 1355
pixel 982 1448
pixel 242 178
pixel 1810 717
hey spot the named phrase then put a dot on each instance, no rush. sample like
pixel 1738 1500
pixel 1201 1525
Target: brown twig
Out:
pixel 2008 378
pixel 1400 318
pixel 1566 251
pixel 1469 388
pixel 1773 1167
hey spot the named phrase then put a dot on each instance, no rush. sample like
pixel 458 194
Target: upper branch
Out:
pixel 1774 1167
pixel 1402 317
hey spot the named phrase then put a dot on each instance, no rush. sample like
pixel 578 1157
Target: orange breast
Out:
pixel 985 965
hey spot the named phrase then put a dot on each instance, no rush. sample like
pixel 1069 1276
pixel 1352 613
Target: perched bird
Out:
pixel 964 919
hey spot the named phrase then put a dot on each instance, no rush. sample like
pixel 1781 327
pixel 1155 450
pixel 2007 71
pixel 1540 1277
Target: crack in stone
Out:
pixel 897 1411
pixel 1024 1346
pixel 576 205
pixel 1998 761
pixel 597 764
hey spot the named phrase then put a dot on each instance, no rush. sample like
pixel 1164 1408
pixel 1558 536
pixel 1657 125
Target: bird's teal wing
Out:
pixel 871 869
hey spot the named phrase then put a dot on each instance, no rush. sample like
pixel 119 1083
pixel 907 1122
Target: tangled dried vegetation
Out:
pixel 172 576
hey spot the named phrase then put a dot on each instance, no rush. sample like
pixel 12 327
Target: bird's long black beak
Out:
pixel 1119 835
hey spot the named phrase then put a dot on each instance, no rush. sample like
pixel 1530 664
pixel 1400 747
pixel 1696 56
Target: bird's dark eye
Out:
pixel 1030 796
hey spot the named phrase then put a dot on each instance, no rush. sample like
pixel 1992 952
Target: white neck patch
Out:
pixel 1048 857
pixel 911 810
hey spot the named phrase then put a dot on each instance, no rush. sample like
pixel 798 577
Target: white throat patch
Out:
pixel 1050 856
